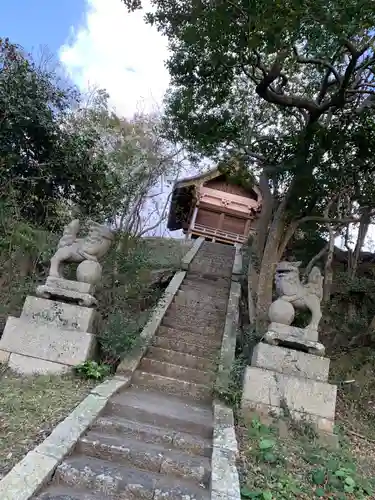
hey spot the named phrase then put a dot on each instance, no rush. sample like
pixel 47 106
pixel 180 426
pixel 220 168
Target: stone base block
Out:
pixel 294 338
pixel 271 390
pixel 34 366
pixel 290 362
pixel 47 342
pixel 303 333
pixel 72 294
pixel 268 413
pixel 59 314
pixel 70 285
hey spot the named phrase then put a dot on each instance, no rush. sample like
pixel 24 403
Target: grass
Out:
pixel 285 461
pixel 30 408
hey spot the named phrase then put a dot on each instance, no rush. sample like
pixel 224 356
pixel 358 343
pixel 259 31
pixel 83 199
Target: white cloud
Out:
pixel 118 51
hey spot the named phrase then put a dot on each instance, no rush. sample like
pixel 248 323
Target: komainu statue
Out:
pixel 301 296
pixel 72 249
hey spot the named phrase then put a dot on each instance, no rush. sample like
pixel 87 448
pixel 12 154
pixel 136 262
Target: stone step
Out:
pixel 181 328
pixel 200 302
pixel 207 278
pixel 220 288
pixel 68 493
pixel 212 341
pixel 148 433
pixel 114 481
pixel 181 358
pixel 145 456
pixel 172 386
pixel 214 268
pixel 208 291
pixel 193 312
pixel 218 247
pixel 176 371
pixel 162 410
pixel 193 321
pixel 197 350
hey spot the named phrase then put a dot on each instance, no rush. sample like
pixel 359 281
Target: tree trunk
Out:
pixel 364 225
pixel 328 273
pixel 252 284
pixel 315 259
pixel 268 267
pixel 265 216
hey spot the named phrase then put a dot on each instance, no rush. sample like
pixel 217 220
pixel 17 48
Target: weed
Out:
pixel 229 388
pixel 292 468
pixel 93 370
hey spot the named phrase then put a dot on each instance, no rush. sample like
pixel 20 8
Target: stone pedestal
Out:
pixel 287 376
pixel 51 336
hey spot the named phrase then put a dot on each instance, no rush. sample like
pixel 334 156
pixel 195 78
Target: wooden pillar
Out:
pixel 221 221
pixel 247 227
pixel 192 222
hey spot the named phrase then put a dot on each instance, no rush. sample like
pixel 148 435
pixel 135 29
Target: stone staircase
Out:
pixel 154 439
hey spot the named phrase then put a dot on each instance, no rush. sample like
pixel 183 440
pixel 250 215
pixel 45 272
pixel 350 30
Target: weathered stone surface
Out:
pixel 304 296
pixel 224 434
pixel 181 388
pixel 175 344
pixel 289 361
pixel 73 286
pixel 82 299
pixel 73 249
pixel 24 480
pixel 4 357
pixel 281 312
pixel 268 413
pixel 237 263
pixel 59 314
pixel 185 263
pixel 297 394
pixel 293 337
pixel 47 342
pixel 29 366
pixel 217 495
pixel 228 344
pixel 64 437
pixel 176 371
pixel 110 386
pixel 224 476
pixel 181 358
pixel 89 271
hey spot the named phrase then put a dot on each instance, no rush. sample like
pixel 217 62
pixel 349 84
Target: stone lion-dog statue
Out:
pixel 302 296
pixel 93 247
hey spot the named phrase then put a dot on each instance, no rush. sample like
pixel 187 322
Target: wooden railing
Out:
pixel 218 233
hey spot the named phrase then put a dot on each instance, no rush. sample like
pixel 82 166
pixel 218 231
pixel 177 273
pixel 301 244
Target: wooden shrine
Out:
pixel 212 206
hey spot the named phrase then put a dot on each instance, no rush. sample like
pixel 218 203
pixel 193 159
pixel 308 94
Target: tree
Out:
pixel 309 69
pixel 44 162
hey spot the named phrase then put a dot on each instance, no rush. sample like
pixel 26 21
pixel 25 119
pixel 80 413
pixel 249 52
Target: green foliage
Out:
pixel 229 388
pixel 293 467
pixel 120 336
pixel 93 370
pixel 45 162
pixel 129 294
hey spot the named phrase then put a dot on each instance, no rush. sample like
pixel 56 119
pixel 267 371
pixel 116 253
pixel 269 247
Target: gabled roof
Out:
pixel 183 194
pixel 198 179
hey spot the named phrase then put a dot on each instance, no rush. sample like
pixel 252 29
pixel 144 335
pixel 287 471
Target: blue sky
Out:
pixel 98 43
pixel 35 23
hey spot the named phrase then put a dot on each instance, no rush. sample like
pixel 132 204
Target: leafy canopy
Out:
pixel 45 162
pixel 308 57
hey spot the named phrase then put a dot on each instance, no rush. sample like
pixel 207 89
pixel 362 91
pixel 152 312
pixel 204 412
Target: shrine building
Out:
pixel 212 206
